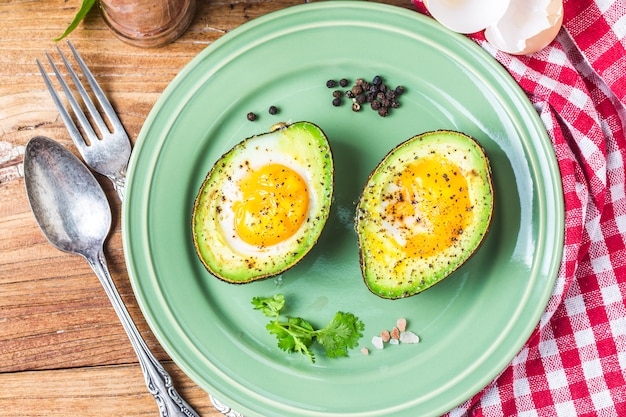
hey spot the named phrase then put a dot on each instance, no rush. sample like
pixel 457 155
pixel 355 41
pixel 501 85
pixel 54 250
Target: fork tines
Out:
pixel 91 136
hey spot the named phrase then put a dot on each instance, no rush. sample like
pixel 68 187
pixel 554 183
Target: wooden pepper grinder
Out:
pixel 148 23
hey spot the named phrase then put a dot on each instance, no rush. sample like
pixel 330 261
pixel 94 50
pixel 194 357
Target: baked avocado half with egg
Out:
pixel 263 205
pixel 424 211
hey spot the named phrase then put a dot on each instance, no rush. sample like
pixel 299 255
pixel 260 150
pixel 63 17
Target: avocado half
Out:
pixel 264 203
pixel 424 211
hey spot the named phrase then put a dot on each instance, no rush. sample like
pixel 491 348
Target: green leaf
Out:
pixel 292 339
pixel 342 333
pixel 270 306
pixel 300 326
pixel 84 9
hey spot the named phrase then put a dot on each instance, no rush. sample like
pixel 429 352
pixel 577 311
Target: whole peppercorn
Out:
pixel 251 116
pixel 356 90
pixel 381 97
pixel 273 110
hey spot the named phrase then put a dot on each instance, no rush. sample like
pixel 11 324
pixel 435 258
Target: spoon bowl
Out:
pixel 66 199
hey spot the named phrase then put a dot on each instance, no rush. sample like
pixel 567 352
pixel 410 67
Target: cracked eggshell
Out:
pixel 467 16
pixel 527 26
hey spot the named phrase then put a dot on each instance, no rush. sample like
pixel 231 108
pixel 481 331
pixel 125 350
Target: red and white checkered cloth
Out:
pixel 574 364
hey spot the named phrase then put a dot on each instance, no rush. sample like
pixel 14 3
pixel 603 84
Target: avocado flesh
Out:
pixel 423 212
pixel 303 148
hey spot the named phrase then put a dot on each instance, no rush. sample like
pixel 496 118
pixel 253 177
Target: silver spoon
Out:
pixel 74 215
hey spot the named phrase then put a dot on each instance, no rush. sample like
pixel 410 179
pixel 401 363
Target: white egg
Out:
pixel 467 16
pixel 527 26
pixel 514 26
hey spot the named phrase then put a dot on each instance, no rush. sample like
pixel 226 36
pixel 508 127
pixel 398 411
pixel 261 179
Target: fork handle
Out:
pixel 157 379
pixel 119 183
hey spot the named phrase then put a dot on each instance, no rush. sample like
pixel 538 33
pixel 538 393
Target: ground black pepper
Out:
pixel 273 110
pixel 251 116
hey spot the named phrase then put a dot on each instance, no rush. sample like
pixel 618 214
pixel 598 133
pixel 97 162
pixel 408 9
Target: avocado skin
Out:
pixel 420 273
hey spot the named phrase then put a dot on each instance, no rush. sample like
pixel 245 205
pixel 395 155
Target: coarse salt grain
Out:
pixel 401 324
pixel 409 337
pixel 385 335
pixel 395 333
pixel 394 342
pixel 378 343
pixel 365 351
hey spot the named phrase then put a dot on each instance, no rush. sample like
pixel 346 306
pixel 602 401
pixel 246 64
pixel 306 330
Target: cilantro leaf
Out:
pixel 341 334
pixel 80 15
pixel 297 334
pixel 270 306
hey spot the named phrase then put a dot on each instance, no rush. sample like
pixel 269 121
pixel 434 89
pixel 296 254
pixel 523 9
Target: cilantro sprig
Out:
pixel 295 334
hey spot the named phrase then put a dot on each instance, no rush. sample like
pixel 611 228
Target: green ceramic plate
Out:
pixel 471 325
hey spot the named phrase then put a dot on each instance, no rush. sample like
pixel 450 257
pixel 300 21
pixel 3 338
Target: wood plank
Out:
pixel 92 392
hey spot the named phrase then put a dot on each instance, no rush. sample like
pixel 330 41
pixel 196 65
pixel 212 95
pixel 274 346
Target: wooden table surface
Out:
pixel 63 351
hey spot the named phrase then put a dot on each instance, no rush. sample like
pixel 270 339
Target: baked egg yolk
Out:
pixel 273 206
pixel 427 206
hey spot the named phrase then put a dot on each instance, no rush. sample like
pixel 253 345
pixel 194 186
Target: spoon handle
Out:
pixel 157 379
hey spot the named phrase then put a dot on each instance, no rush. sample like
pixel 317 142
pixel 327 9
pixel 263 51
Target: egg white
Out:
pixel 257 157
pixel 400 231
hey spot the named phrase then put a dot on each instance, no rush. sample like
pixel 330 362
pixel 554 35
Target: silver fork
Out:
pixel 107 152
